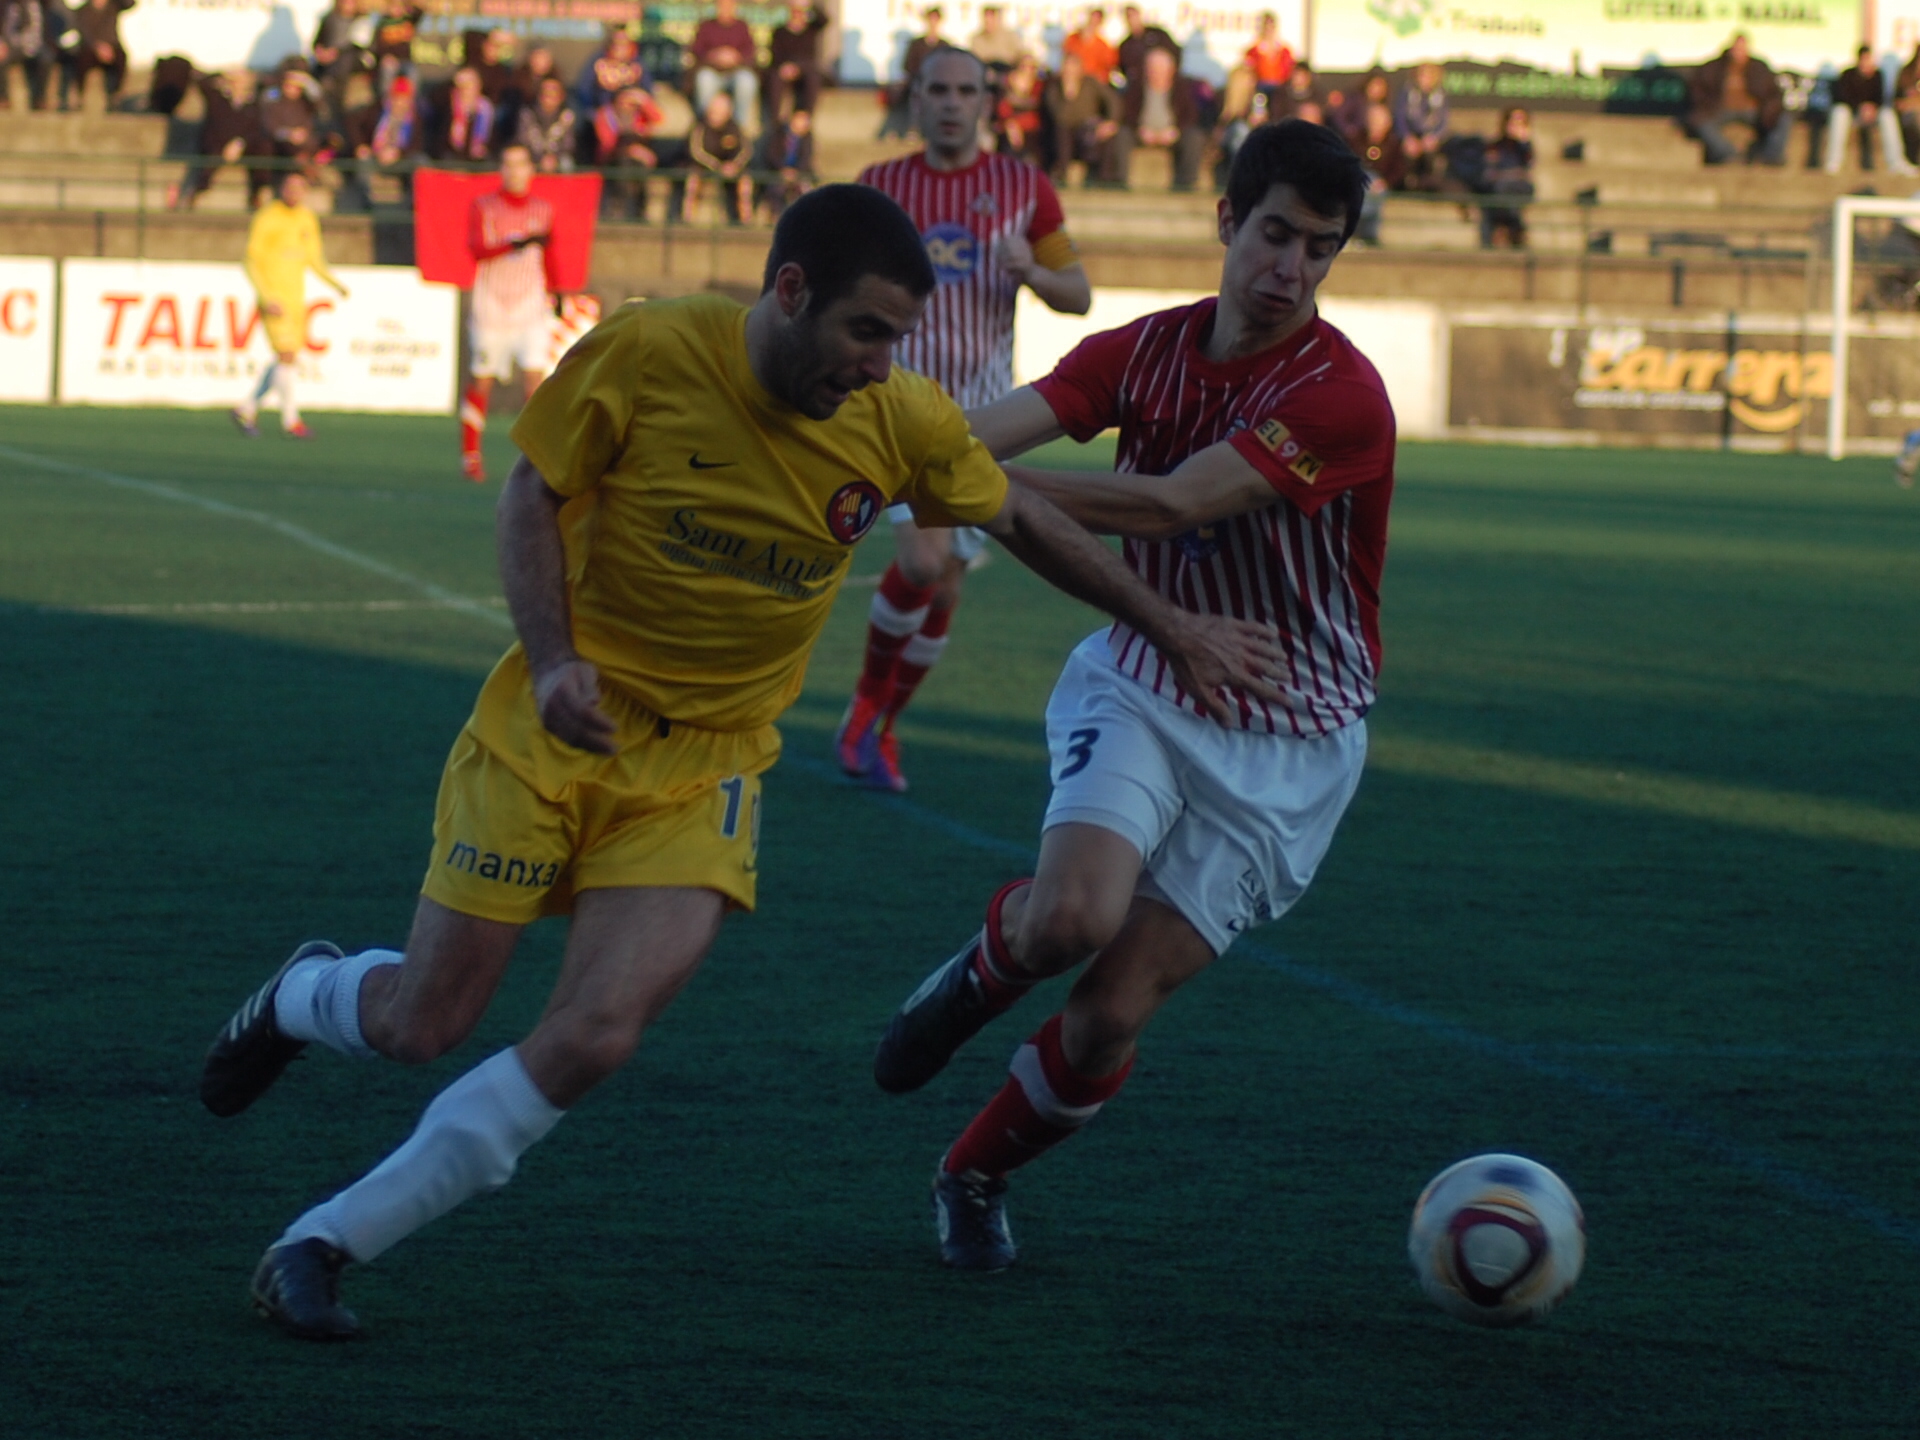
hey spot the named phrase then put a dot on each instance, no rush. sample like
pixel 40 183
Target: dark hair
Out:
pixel 1316 162
pixel 839 234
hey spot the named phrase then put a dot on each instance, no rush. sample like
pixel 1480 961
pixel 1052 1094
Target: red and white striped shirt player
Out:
pixel 1252 480
pixel 1312 416
pixel 991 224
pixel 511 320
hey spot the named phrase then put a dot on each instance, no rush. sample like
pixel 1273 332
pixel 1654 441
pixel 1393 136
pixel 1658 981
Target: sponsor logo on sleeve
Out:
pixel 1302 462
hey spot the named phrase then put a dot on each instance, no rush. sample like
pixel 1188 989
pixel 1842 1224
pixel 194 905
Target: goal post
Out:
pixel 1846 211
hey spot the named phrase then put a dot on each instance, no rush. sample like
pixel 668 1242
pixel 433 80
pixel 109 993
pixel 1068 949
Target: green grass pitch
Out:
pixel 1632 885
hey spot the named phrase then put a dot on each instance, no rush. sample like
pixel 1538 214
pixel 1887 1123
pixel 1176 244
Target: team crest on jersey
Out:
pixel 1301 461
pixel 954 251
pixel 853 509
pixel 1199 544
pixel 985 204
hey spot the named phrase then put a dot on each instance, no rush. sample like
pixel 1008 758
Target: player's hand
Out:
pixel 568 697
pixel 343 293
pixel 1208 653
pixel 272 309
pixel 1016 256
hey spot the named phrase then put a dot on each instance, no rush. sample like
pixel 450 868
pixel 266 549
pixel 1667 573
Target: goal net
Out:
pixel 1876 325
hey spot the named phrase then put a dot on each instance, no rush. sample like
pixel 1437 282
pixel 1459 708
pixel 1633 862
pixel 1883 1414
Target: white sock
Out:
pixel 289 412
pixel 251 406
pixel 320 1000
pixel 467 1143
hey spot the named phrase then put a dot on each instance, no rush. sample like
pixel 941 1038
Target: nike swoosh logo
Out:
pixel 697 463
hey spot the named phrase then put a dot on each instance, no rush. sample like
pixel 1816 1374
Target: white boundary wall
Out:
pixel 186 334
pixel 26 328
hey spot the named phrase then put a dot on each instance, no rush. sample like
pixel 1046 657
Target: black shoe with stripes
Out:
pixel 298 1288
pixel 970 1216
pixel 950 1008
pixel 249 1053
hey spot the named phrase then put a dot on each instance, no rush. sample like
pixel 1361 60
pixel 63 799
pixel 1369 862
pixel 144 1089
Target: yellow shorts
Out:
pixel 287 331
pixel 525 822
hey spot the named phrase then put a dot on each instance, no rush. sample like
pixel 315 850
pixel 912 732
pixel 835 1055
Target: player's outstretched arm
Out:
pixel 533 571
pixel 1214 484
pixel 1207 652
pixel 1015 423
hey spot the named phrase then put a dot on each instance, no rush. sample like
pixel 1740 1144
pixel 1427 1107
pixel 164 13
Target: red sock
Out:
pixel 921 654
pixel 1045 1102
pixel 992 964
pixel 899 610
pixel 473 419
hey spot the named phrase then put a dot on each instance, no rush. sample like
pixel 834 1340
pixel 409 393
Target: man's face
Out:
pixel 293 189
pixel 1739 49
pixel 1159 70
pixel 1135 22
pixel 1277 257
pixel 953 97
pixel 825 355
pixel 516 170
pixel 723 10
pixel 797 16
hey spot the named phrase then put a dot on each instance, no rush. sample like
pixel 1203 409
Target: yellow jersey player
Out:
pixel 692 483
pixel 283 243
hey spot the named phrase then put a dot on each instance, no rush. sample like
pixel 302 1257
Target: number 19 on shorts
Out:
pixel 734 790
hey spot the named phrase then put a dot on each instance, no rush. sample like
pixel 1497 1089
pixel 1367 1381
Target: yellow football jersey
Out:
pixel 282 243
pixel 713 524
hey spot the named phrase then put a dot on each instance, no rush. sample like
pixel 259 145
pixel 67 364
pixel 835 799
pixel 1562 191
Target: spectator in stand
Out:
pixel 1162 112
pixel 393 36
pixel 718 148
pixel 460 121
pixel 548 128
pixel 93 44
pixel 230 129
pixel 535 67
pixel 1020 125
pixel 616 68
pixel 28 49
pixel 339 49
pixel 1860 108
pixel 623 140
pixel 899 117
pixel 1421 118
pixel 1085 117
pixel 1736 87
pixel 785 156
pixel 1098 57
pixel 724 58
pixel 793 75
pixel 492 60
pixel 1269 58
pixel 1906 104
pixel 1349 112
pixel 996 45
pixel 1509 172
pixel 1300 99
pixel 1381 152
pixel 290 115
pixel 1131 57
pixel 388 133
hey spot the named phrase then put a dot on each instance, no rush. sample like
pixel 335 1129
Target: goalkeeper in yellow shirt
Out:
pixel 283 243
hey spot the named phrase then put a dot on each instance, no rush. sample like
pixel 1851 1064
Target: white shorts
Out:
pixel 495 349
pixel 968 540
pixel 1231 824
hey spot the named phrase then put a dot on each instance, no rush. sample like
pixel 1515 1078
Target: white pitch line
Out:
pixel 286 528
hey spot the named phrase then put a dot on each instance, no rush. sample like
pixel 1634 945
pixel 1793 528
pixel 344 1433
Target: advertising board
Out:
pixel 1760 383
pixel 217 34
pixel 1577 35
pixel 189 334
pixel 26 328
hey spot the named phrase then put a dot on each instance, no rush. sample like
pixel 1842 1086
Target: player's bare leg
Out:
pixel 906 634
pixel 629 952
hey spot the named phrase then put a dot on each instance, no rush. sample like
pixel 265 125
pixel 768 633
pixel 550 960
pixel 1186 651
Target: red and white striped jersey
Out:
pixel 965 340
pixel 1312 417
pixel 510 287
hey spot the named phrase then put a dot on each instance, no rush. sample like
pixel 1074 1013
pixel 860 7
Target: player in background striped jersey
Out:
pixel 1256 458
pixel 991 224
pixel 512 316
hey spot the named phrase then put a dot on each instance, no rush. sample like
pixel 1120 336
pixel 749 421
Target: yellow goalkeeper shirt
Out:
pixel 712 525
pixel 283 243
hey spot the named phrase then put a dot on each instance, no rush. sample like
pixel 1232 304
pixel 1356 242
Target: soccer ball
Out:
pixel 1497 1240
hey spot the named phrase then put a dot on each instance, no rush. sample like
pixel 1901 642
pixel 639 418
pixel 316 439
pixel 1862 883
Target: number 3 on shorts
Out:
pixel 1079 751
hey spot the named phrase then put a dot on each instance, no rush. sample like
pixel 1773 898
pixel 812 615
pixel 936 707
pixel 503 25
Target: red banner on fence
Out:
pixel 442 215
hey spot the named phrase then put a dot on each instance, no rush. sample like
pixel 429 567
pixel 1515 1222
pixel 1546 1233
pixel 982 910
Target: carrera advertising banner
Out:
pixel 1765 385
pixel 1568 35
pixel 26 329
pixel 154 333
